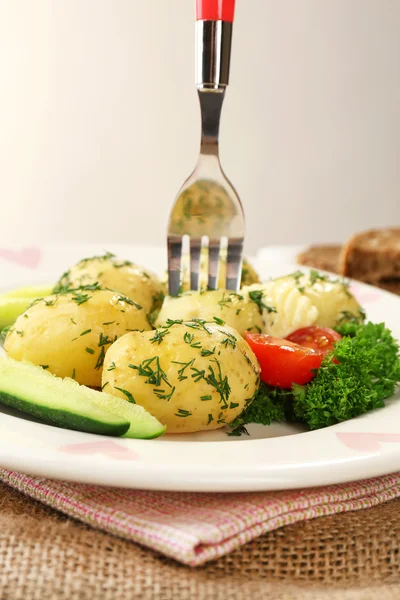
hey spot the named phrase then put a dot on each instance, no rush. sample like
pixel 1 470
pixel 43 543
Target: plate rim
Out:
pixel 144 474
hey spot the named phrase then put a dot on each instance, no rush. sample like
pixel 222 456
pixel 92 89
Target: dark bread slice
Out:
pixel 372 256
pixel 323 257
pixel 390 285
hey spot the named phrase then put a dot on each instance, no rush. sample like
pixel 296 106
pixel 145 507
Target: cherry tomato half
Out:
pixel 321 339
pixel 283 362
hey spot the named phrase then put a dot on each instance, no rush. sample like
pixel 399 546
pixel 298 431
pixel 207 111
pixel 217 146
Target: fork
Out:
pixel 207 218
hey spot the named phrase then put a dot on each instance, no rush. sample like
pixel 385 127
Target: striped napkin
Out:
pixel 196 528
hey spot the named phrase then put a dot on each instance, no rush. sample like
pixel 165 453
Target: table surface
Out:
pixel 47 556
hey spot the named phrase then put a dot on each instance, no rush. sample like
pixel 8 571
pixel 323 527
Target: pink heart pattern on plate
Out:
pixel 29 257
pixel 107 447
pixel 367 442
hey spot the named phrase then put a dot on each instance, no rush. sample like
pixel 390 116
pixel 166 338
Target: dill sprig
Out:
pixel 151 369
pixel 181 371
pixel 256 296
pixel 127 394
pixel 219 382
pixel 159 336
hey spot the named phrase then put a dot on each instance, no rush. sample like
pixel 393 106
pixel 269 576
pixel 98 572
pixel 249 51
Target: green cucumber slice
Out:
pixel 15 302
pixel 34 390
pixel 62 402
pixel 11 308
pixel 142 424
pixel 30 291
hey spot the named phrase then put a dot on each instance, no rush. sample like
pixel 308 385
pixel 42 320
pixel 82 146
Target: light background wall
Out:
pixel 99 121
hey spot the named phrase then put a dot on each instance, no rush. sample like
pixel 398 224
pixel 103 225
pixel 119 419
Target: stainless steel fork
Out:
pixel 207 216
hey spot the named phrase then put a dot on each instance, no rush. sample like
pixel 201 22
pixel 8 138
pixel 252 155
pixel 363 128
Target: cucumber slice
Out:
pixel 62 402
pixel 11 308
pixel 142 424
pixel 15 302
pixel 30 291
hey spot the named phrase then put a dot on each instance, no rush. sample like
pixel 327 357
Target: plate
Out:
pixel 280 456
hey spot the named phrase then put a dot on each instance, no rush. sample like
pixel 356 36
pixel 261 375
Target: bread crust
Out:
pixel 372 256
pixel 323 256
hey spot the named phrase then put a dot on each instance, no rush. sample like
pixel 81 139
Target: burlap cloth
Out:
pixel 45 555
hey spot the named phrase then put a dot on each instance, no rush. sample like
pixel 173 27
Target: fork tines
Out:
pixel 203 258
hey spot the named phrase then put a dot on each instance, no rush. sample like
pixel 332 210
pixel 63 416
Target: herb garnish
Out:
pixel 122 298
pixel 104 340
pixel 228 299
pixel 171 322
pixel 205 352
pixel 100 360
pixel 183 413
pixel 151 369
pixel 158 336
pixel 230 340
pixel 316 276
pixel 181 372
pixel 220 383
pixel 89 350
pixel 219 321
pixel 198 324
pixel 188 338
pixel 112 366
pixel 6 331
pixel 85 332
pixel 256 296
pixel 50 301
pixel 80 298
pixel 128 395
pixel 197 374
pixel 162 394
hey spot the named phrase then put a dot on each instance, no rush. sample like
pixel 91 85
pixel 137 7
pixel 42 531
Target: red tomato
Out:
pixel 321 339
pixel 283 362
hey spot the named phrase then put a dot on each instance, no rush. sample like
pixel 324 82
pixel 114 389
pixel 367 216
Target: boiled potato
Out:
pixel 190 375
pixel 125 277
pixel 69 333
pixel 331 297
pixel 283 307
pixel 303 299
pixel 237 310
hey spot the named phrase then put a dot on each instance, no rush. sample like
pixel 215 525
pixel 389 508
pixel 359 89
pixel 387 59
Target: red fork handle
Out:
pixel 215 10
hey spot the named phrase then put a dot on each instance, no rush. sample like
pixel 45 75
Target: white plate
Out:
pixel 281 456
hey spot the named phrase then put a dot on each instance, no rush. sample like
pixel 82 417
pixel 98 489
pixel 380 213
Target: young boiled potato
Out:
pixel 301 300
pixel 125 277
pixel 284 308
pixel 190 375
pixel 69 333
pixel 331 297
pixel 239 311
